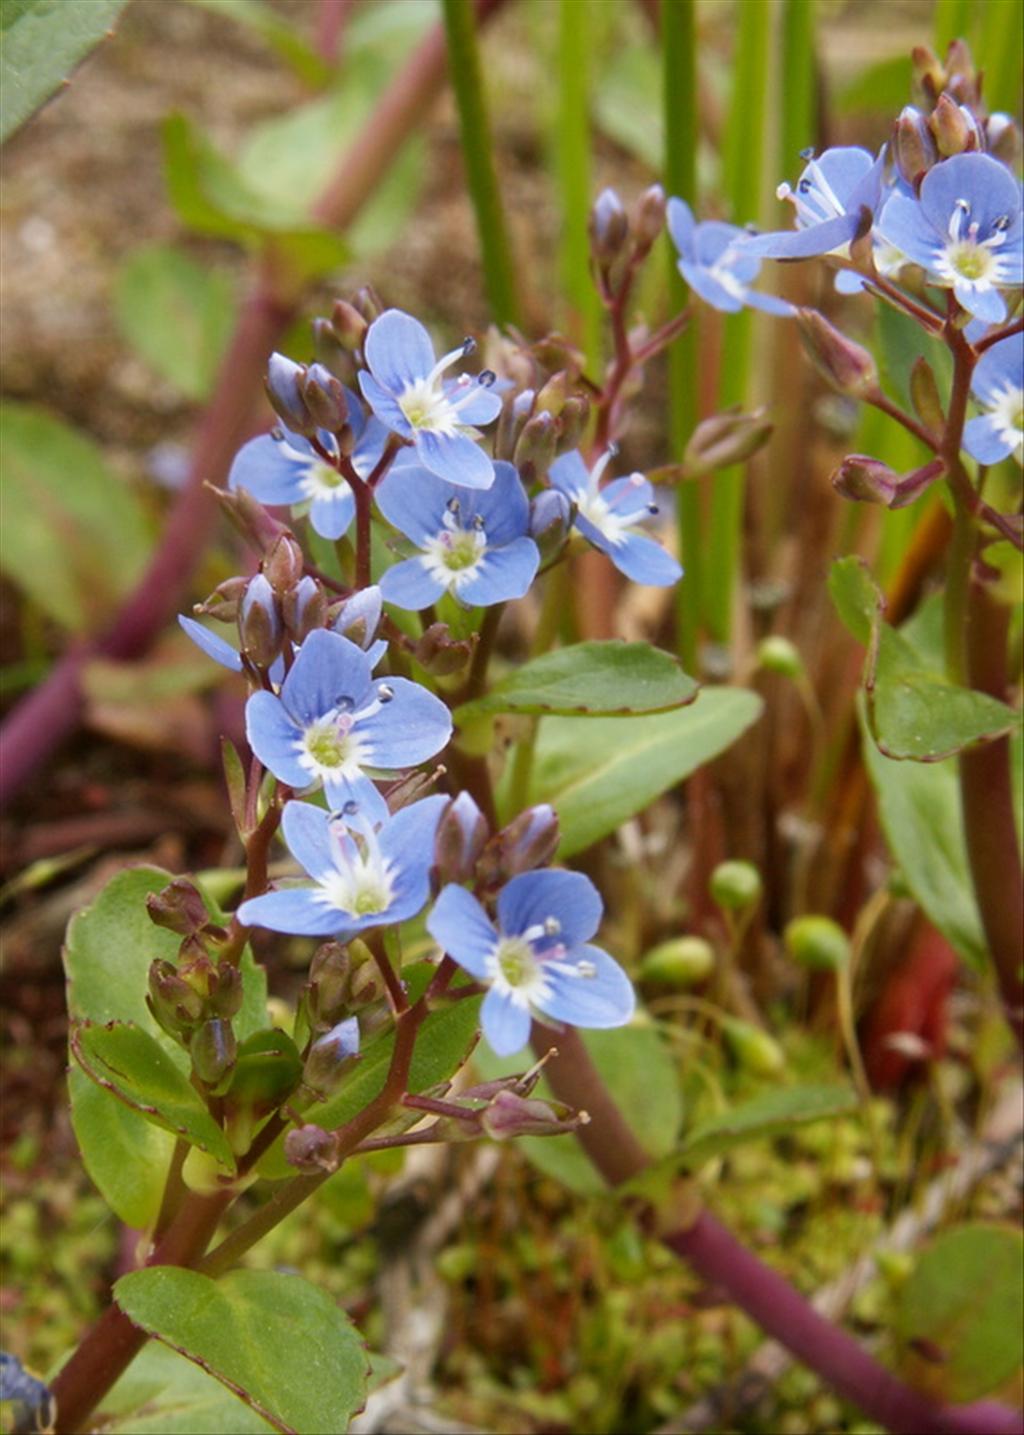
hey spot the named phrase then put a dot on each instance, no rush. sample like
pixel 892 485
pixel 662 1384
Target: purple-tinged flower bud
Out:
pixel 411 788
pixel 572 422
pixel 223 603
pixel 311 1149
pixel 350 325
pixel 535 451
pixel 254 523
pixel 528 841
pixel 178 907
pixel 226 993
pixel 284 564
pixel 330 1056
pixel 1003 139
pixel 865 480
pixel 461 835
pixel 555 352
pixel 284 390
pixel 325 399
pixel 359 616
pixel 846 365
pixel 924 395
pixel 961 75
pixel 329 350
pixel 753 1048
pixel 724 439
pixel 510 423
pixel 172 1001
pixel 366 985
pixel 368 303
pixel 509 1116
pixel 953 128
pixel 326 994
pixel 441 654
pixel 648 218
pixel 608 227
pixel 929 73
pixel 213 1049
pixel 550 520
pixel 259 622
pixel 913 146
pixel 304 608
pixel 524 403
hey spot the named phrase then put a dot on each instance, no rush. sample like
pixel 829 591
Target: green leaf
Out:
pixel 125 1060
pixel 771 1114
pixel 913 711
pixel 608 678
pixel 279 34
pixel 919 805
pixel 41 42
pixel 162 1393
pixel 74 537
pixel 126 1156
pixel 283 1346
pixel 966 1296
pixel 177 314
pixel 442 1045
pixel 638 1067
pixel 599 772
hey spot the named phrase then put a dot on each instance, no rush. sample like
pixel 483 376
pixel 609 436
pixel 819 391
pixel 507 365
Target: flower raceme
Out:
pixel 609 517
pixel 832 198
pixel 537 960
pixel 716 261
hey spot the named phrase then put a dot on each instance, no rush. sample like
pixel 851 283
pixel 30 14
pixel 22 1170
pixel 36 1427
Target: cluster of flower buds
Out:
pixel 308 398
pixel 464 848
pixel 621 239
pixel 548 416
pixel 955 76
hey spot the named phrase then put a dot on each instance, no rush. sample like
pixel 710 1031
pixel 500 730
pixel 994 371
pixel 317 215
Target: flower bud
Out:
pixel 324 396
pixel 441 654
pixel 367 984
pixel 725 439
pixel 329 350
pixel 648 218
pixel 777 654
pixel 952 127
pixel 178 907
pixel 1003 139
pixel 535 449
pixel 311 1149
pixel 865 480
pixel 555 352
pixel 527 842
pixel 961 75
pixel 284 564
pixel 359 617
pixel 679 963
pixel 350 325
pixel 267 1070
pixel 753 1048
pixel 929 73
pixel 608 227
pixel 508 1116
pixel 223 603
pixel 846 365
pixel 213 1050
pixel 550 521
pixel 326 994
pixel 735 886
pixel 172 1001
pixel 258 527
pixel 330 1056
pixel 304 608
pixel 513 416
pixel 551 398
pixel 572 422
pixel 461 835
pixel 226 993
pixel 284 390
pixel 259 622
pixel 367 302
pixel 913 146
pixel 818 943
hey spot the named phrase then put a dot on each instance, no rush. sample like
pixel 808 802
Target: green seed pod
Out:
pixel 736 886
pixel 753 1048
pixel 818 943
pixel 777 654
pixel 681 962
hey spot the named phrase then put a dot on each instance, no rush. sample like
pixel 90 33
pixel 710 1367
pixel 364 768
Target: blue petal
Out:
pixel 603 1000
pixel 845 167
pixel 632 495
pixel 848 281
pixel 328 667
pixel 213 646
pixel 461 927
pixel 410 585
pixel 363 607
pixel 274 737
pixel 681 226
pixel 505 573
pixel 714 239
pixel 454 457
pixel 983 441
pixel 504 508
pixel 264 468
pixel 986 185
pixel 413 500
pixel 370 448
pixel 709 289
pixel 570 475
pixel 296 910
pixel 413 726
pixel 407 842
pixel 594 535
pixel 505 1025
pixel 645 561
pixel 307 832
pixel 770 304
pixel 398 351
pixel 384 405
pixel 806 243
pixel 902 224
pixel 568 896
pixel 987 304
pixel 361 790
pixel 1000 367
pixel 483 408
pixel 331 514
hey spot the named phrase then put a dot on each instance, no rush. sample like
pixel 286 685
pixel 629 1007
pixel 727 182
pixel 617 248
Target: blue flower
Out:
pixel 716 263
pixel 830 199
pixel 282 467
pixel 358 620
pixel 213 646
pixel 537 960
pixel 406 389
pixel 965 231
pixel 998 386
pixel 363 875
pixel 474 546
pixel 608 518
pixel 333 719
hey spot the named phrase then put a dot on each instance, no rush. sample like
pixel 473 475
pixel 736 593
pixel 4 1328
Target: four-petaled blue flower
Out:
pixel 363 875
pixel 473 545
pixel 333 720
pixel 407 391
pixel 830 198
pixel 537 961
pixel 282 467
pixel 608 517
pixel 998 386
pixel 715 260
pixel 965 231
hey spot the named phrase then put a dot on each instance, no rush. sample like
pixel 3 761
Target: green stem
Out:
pixel 478 156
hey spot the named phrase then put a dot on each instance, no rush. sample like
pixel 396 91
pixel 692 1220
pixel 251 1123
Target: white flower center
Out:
pixel 361 883
pixel 967 260
pixel 723 275
pixel 427 404
pixel 454 555
pixel 521 972
pixel 320 480
pixel 331 747
pixel 1007 416
pixel 814 199
pixel 616 520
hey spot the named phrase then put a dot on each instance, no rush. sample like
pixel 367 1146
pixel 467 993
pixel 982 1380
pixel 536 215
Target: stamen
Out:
pixel 552 926
pixel 277 433
pixel 586 969
pixel 808 153
pixel 453 505
pixel 486 378
pixel 385 693
pixel 447 360
pixel 343 703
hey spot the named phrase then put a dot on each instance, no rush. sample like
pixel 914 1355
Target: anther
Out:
pixel 385 693
pixel 350 808
pixel 586 969
pixel 652 508
pixel 552 926
pixel 486 378
pixel 343 703
pixel 453 505
pixel 808 153
pixel 277 433
pixel 478 522
pixel 1001 224
pixel 468 345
